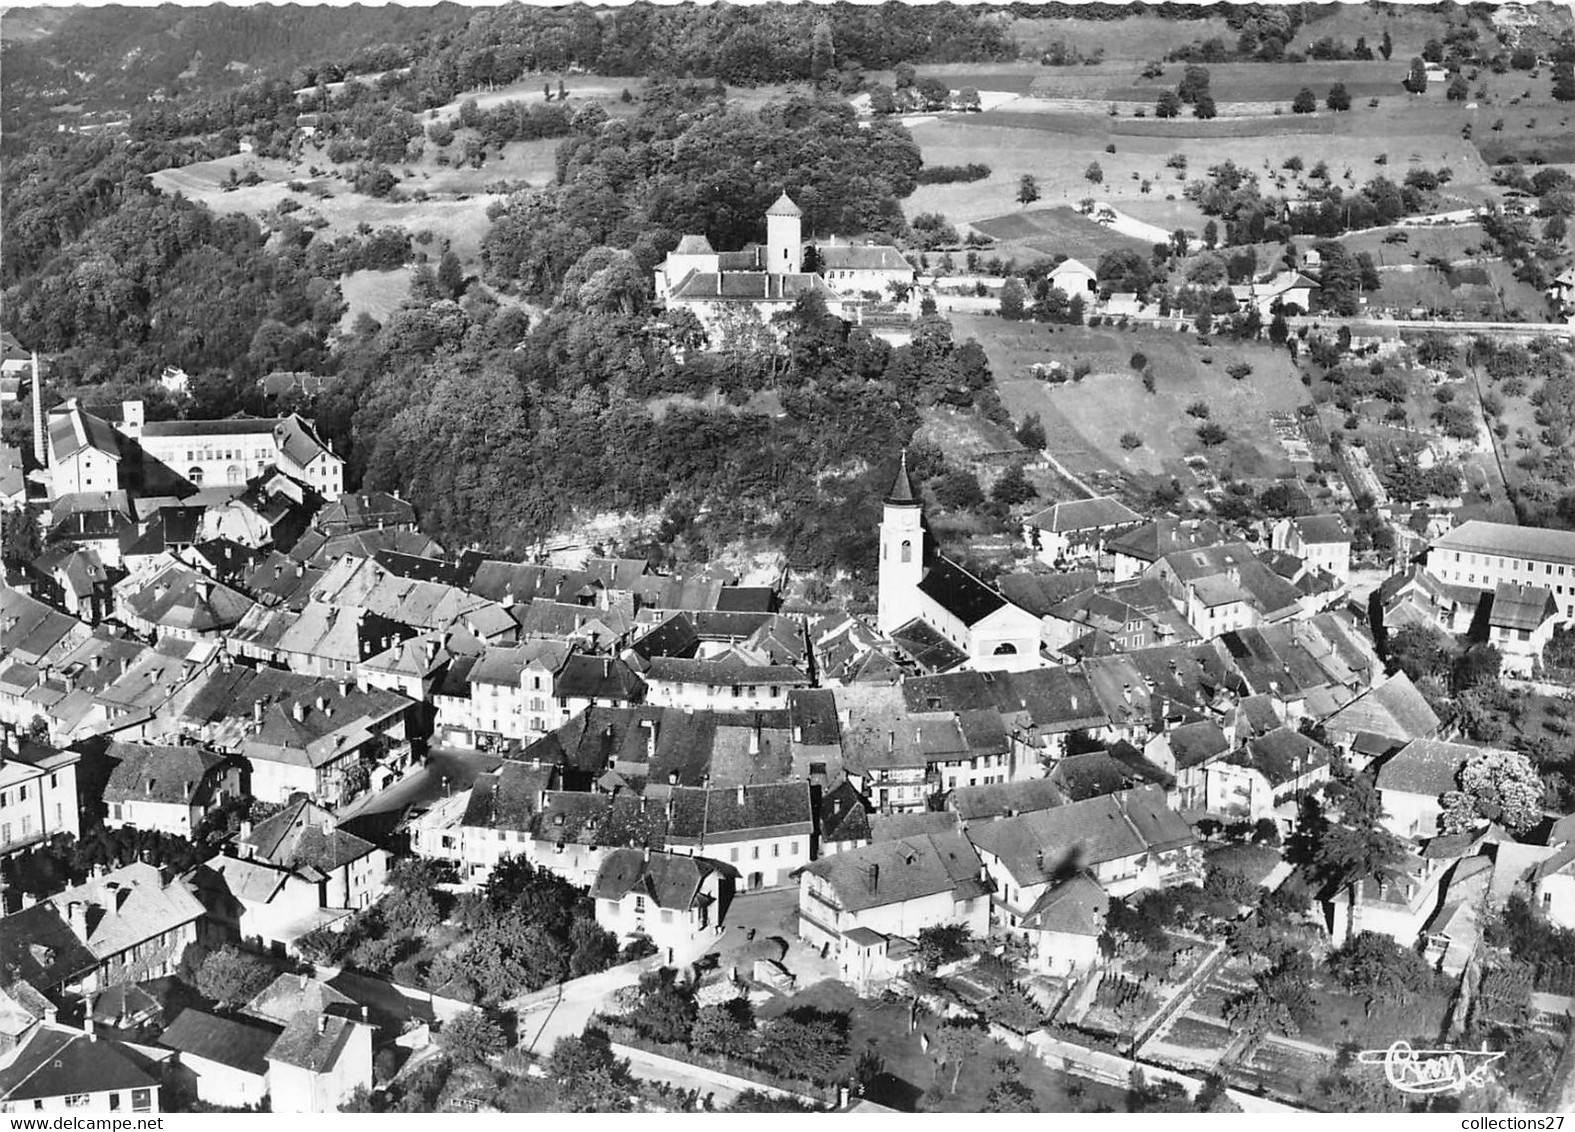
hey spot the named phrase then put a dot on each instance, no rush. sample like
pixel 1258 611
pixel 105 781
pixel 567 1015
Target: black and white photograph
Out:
pixel 785 558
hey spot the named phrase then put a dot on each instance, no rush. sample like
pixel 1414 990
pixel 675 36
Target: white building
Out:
pixel 914 585
pixel 232 451
pixel 674 901
pixel 1323 542
pixel 1482 554
pixel 38 793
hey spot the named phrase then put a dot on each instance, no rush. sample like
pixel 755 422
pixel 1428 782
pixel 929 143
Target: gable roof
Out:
pixel 1481 537
pixel 304 834
pixel 158 773
pixel 58 1062
pixel 1046 843
pixel 1393 710
pixel 1098 513
pixel 958 592
pixel 671 880
pixel 129 906
pixel 241 1043
pixel 313 1042
pixel 1074 907
pixel 1425 766
pixel 1519 606
pixel 891 872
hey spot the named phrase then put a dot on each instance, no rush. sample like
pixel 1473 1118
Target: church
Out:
pixel 921 588
pixel 763 280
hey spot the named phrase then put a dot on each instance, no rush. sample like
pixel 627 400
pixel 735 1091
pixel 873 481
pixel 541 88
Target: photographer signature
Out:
pixel 1431 1070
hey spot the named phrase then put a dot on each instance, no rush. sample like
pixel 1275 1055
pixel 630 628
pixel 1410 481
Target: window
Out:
pixel 793 848
pixel 141 1100
pixel 907 550
pixel 732 854
pixel 22 793
pixel 754 853
pixel 776 849
pixel 114 1102
pixel 639 905
pixel 54 781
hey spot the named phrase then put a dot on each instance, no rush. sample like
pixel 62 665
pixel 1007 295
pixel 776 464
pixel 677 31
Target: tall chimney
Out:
pixel 40 438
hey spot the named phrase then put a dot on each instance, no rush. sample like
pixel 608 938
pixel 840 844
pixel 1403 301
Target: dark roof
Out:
pixel 312 1042
pixel 57 1062
pixel 813 715
pixel 38 945
pixel 844 815
pixel 929 650
pixel 240 1043
pixel 304 834
pixel 738 813
pixel 1513 605
pixel 1282 755
pixel 958 592
pixel 1075 907
pixel 598 678
pixel 156 773
pixel 507 798
pixel 901 492
pixel 1321 528
pixel 671 880
pixel 1001 799
pixel 675 636
pixel 1038 593
pixel 1088 776
pixel 1043 844
pixel 890 872
pixel 746 599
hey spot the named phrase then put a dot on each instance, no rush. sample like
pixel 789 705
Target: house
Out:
pixel 763 833
pixel 844 820
pixel 675 901
pixel 328 740
pixel 736 682
pixel 1323 542
pixel 1074 277
pixel 38 793
pixel 1562 290
pixel 1265 774
pixel 1416 597
pixel 505 694
pixel 1078 528
pixel 305 838
pixel 862 269
pixel 1412 781
pixel 1133 552
pixel 226 1056
pixel 1128 842
pixel 866 907
pixel 1003 800
pixel 102 522
pixel 58 1069
pixel 1289 292
pixel 318 1061
pixel 1480 555
pixel 1381 720
pixel 130 924
pixel 76 580
pixel 1552 884
pixel 1063 927
pixel 173 600
pixel 573 832
pixel 1520 622
pixel 167 788
pixel 1227 587
pixel 918 586
pixel 1400 905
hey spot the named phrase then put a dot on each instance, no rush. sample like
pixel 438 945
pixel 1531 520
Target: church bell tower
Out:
pixel 901 553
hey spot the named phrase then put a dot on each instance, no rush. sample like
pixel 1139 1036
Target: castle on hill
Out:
pixel 854 280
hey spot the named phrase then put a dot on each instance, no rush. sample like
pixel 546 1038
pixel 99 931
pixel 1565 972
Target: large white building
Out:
pixel 1483 555
pixel 974 617
pixel 234 450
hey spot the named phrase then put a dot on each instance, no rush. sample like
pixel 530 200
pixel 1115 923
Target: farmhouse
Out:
pixel 674 901
pixel 1285 291
pixel 1077 528
pixel 1520 624
pixel 1074 277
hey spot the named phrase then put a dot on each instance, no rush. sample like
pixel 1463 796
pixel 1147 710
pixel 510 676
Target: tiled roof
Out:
pixel 1394 710
pixel 38 945
pixel 1518 606
pixel 291 995
pixel 742 813
pixel 844 815
pixel 1099 513
pixel 1282 756
pixel 1429 767
pixel 313 1043
pixel 57 1062
pixel 1073 907
pixel 1042 845
pixel 958 592
pixel 129 906
pixel 1478 536
pixel 784 206
pixel 1039 593
pixel 857 257
pixel 240 1043
pixel 304 834
pixel 983 803
pixel 670 880
pixel 508 797
pixel 1321 529
pixel 929 650
pixel 891 872
pixel 155 773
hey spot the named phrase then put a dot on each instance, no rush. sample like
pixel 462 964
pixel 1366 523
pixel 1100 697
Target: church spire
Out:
pixel 902 493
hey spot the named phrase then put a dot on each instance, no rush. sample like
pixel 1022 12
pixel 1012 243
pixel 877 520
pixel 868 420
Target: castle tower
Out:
pixel 784 237
pixel 901 553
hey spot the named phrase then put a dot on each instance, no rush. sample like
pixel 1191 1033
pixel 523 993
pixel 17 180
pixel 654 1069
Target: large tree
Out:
pixel 1499 786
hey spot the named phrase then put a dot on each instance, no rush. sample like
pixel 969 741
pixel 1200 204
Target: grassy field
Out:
pixel 1085 420
pixel 460 223
pixel 1056 231
pixel 372 292
pixel 581 88
pixel 1274 82
pixel 1342 1018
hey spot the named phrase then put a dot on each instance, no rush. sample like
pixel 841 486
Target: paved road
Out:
pixel 447 771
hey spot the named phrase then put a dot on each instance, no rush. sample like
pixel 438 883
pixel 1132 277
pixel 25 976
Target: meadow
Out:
pixel 1085 420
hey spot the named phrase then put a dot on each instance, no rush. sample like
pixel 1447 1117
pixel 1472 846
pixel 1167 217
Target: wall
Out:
pixel 224 1084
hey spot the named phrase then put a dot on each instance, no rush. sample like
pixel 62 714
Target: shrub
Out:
pixel 1240 370
pixel 1131 440
pixel 1198 409
pixel 1212 435
pixel 1139 361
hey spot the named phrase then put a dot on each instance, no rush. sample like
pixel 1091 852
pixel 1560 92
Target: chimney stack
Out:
pixel 874 877
pixel 76 916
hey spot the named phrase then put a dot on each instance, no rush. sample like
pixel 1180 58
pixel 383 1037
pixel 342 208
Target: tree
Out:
pixel 1027 190
pixel 805 1043
pixel 1212 435
pixel 1131 441
pixel 1458 89
pixel 1094 175
pixel 1255 1014
pixel 1014 300
pixel 1305 101
pixel 1386 46
pixel 959 491
pixel 1203 107
pixel 1013 487
pixel 589 1077
pixel 1357 847
pixel 1168 105
pixel 1457 420
pixel 1194 83
pixel 1499 786
pixel 1031 433
pixel 20 543
pixel 666 1012
pixel 1211 234
pixel 472 1037
pixel 953 1044
pixel 450 276
pixel 1564 81
pixel 823 55
pixel 1416 79
pixel 1420 651
pixel 1338 97
pixel 726 1028
pixel 231 977
pixel 1375 965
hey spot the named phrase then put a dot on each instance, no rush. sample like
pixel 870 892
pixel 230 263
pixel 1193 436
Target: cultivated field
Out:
pixel 1085 420
pixel 1054 231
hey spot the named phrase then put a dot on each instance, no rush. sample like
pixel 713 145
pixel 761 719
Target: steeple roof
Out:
pixel 784 207
pixel 902 493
